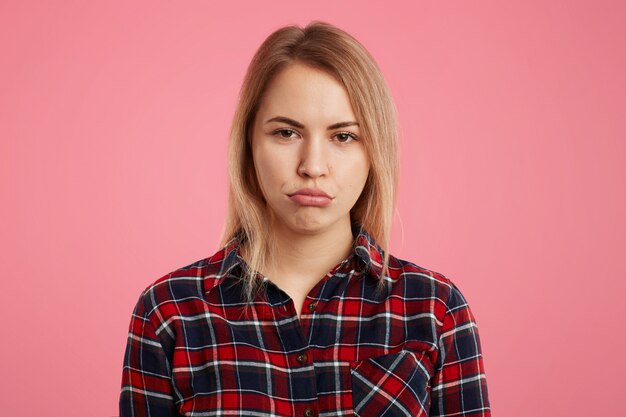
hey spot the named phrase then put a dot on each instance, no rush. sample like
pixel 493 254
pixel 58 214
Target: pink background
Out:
pixel 113 125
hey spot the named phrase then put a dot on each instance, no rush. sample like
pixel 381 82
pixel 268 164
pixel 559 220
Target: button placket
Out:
pixel 285 309
pixel 302 358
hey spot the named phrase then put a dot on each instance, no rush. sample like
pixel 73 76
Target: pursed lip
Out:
pixel 312 192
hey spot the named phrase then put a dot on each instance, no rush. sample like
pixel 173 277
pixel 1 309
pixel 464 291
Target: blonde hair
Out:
pixel 326 47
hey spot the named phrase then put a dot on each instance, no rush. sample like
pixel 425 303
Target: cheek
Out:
pixel 355 176
pixel 360 168
pixel 267 170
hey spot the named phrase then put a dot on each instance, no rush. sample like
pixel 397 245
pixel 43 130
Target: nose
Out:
pixel 314 160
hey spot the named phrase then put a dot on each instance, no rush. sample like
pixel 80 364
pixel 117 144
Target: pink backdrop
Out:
pixel 113 126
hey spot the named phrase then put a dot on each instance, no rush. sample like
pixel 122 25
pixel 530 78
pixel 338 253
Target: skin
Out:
pixel 311 240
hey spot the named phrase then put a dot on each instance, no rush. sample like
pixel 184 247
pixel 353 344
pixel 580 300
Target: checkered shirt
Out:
pixel 412 349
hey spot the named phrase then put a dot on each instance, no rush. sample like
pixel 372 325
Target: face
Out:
pixel 308 155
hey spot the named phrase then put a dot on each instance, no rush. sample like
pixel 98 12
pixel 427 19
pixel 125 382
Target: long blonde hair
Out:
pixel 326 47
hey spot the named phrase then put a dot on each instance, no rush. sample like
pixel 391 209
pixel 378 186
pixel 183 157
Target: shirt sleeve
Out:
pixel 146 376
pixel 459 386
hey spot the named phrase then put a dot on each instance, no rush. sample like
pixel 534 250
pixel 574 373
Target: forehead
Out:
pixel 301 91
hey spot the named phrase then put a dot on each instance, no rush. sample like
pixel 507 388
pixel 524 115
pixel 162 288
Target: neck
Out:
pixel 301 260
pixel 309 252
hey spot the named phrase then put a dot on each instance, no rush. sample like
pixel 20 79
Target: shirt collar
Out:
pixel 227 259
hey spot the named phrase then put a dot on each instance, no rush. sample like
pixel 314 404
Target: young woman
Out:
pixel 303 311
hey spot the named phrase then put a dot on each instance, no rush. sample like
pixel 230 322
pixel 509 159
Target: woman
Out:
pixel 302 312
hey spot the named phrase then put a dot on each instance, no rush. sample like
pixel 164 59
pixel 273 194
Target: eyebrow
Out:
pixel 299 125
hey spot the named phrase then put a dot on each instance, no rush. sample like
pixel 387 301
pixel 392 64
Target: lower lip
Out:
pixel 310 200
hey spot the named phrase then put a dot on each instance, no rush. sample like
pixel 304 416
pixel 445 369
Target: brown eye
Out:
pixel 284 133
pixel 345 137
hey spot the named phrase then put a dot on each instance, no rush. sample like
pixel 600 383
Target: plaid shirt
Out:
pixel 411 350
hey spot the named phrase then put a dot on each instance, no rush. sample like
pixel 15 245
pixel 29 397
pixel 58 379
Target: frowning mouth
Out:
pixel 311 197
pixel 311 191
pixel 310 200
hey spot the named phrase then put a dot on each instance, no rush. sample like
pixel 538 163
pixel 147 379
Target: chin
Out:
pixel 312 224
pixel 307 226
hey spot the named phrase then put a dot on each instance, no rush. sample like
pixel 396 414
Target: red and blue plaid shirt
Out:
pixel 411 350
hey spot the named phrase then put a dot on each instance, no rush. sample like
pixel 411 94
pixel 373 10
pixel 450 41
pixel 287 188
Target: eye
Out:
pixel 345 137
pixel 284 133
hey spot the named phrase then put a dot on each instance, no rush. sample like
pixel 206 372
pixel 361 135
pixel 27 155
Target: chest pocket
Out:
pixel 396 384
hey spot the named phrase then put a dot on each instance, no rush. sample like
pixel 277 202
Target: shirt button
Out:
pixel 302 358
pixel 313 306
pixel 309 412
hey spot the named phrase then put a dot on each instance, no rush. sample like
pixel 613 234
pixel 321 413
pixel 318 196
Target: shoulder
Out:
pixel 177 285
pixel 185 284
pixel 414 282
pixel 402 272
